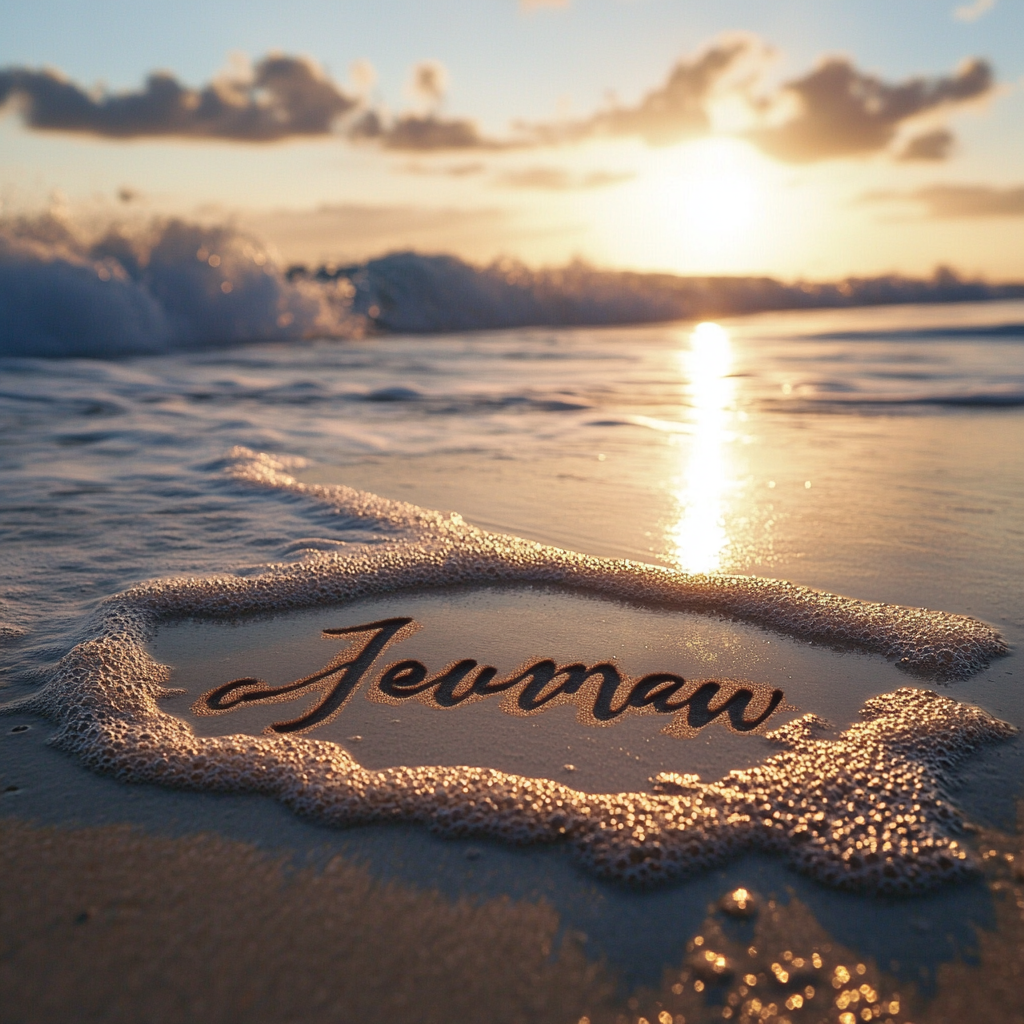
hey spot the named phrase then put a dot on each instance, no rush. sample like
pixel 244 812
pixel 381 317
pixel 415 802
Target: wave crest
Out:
pixel 172 285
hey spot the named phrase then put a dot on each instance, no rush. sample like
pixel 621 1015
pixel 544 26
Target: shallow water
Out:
pixel 862 452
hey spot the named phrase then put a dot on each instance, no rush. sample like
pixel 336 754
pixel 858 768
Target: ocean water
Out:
pixel 873 453
pixel 869 452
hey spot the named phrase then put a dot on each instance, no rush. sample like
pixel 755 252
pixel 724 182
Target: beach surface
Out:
pixel 861 453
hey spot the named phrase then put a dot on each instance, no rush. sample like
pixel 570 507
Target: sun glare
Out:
pixel 701 207
pixel 723 203
pixel 699 537
pixel 716 189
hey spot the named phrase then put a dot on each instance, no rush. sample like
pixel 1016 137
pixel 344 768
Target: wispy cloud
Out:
pixel 675 110
pixel 429 81
pixel 973 11
pixel 556 179
pixel 934 145
pixel 356 232
pixel 465 169
pixel 955 201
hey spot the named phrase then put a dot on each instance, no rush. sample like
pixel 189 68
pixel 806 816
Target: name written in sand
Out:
pixel 602 693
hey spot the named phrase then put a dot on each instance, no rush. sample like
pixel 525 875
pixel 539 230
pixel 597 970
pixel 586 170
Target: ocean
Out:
pixel 276 491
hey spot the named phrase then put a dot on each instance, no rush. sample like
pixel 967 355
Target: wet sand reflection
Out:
pixel 699 540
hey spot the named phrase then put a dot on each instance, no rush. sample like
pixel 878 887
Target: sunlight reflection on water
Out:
pixel 698 538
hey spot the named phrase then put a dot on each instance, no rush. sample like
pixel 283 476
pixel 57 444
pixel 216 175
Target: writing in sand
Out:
pixel 602 693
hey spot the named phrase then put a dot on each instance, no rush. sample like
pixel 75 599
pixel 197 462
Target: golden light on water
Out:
pixel 698 538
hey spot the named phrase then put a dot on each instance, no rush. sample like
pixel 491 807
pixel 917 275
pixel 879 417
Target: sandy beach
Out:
pixel 128 900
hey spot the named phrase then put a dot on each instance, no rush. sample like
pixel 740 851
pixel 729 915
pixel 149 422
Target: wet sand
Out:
pixel 212 905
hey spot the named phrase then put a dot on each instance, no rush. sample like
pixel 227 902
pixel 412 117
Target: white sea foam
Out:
pixel 864 810
pixel 173 285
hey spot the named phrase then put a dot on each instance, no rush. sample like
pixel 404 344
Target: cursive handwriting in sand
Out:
pixel 602 693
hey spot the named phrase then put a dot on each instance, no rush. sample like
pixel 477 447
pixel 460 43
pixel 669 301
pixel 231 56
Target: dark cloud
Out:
pixel 420 133
pixel 284 96
pixel 430 132
pixel 933 145
pixel 555 179
pixel 841 111
pixel 953 201
pixel 674 111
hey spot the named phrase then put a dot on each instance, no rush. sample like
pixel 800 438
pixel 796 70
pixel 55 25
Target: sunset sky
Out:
pixel 814 138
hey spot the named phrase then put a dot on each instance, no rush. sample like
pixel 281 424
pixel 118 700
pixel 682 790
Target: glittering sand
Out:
pixel 111 925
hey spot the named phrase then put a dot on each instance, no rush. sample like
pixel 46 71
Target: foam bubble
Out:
pixel 863 810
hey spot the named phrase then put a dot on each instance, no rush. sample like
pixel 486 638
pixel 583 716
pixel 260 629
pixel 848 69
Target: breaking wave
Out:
pixel 172 285
pixel 176 285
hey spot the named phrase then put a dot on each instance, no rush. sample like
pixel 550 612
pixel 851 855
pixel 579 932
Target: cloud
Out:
pixel 836 110
pixel 460 170
pixel 674 111
pixel 281 97
pixel 954 201
pixel 356 232
pixel 420 133
pixel 429 81
pixel 428 131
pixel 933 145
pixel 841 111
pixel 973 11
pixel 555 179
pixel 363 76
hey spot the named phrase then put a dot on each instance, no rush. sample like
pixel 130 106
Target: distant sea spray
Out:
pixel 172 284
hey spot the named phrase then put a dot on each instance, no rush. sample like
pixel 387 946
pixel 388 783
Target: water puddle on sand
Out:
pixel 592 692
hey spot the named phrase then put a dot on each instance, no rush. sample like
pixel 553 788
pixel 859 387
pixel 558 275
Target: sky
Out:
pixel 796 138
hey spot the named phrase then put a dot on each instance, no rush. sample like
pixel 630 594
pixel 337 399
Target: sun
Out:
pixel 717 199
pixel 716 188
pixel 708 206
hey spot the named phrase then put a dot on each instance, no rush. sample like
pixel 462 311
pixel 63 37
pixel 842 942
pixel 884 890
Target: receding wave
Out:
pixel 990 332
pixel 172 285
pixel 864 810
pixel 1010 398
